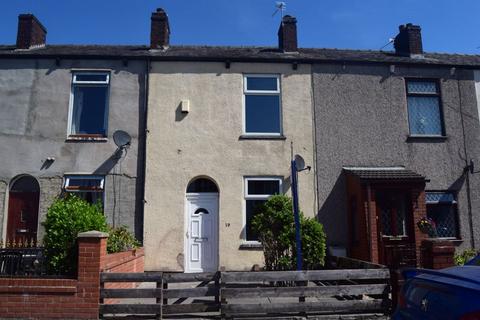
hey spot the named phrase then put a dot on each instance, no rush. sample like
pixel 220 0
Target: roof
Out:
pixel 224 53
pixel 386 173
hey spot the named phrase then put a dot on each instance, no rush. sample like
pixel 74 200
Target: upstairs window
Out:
pixel 89 104
pixel 257 191
pixel 442 209
pixel 262 114
pixel 424 110
pixel 89 188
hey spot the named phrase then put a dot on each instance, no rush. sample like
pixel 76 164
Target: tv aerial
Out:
pixel 122 139
pixel 281 6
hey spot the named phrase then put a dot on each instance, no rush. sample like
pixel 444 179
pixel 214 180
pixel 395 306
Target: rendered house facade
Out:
pixel 59 108
pixel 389 136
pixel 394 141
pixel 220 139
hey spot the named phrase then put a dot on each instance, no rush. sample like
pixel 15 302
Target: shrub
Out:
pixel 66 218
pixel 275 226
pixel 463 257
pixel 120 239
pixel 313 243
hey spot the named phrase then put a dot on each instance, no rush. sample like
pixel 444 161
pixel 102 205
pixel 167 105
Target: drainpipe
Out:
pixel 466 172
pixel 145 134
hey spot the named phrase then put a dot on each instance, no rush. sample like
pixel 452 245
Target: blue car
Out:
pixel 451 293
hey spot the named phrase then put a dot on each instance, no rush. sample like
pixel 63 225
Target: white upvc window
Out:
pixel 88 187
pixel 88 112
pixel 262 112
pixel 257 191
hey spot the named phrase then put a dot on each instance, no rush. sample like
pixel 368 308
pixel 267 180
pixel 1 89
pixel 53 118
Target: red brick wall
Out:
pixel 437 254
pixel 368 245
pixel 67 298
pixel 129 261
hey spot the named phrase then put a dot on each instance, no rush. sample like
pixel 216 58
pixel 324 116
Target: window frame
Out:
pixel 67 177
pixel 454 207
pixel 438 95
pixel 246 197
pixel 75 83
pixel 246 92
pixel 82 176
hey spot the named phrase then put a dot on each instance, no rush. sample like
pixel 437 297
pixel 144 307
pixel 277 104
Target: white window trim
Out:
pixel 442 134
pixel 106 83
pixel 261 92
pixel 67 178
pixel 75 74
pixel 246 197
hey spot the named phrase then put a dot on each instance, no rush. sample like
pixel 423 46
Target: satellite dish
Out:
pixel 299 162
pixel 121 138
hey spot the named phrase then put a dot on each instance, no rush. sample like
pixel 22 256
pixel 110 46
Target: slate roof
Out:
pixel 391 174
pixel 219 53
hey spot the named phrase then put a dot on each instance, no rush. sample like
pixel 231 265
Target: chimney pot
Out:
pixel 408 41
pixel 287 34
pixel 160 30
pixel 31 33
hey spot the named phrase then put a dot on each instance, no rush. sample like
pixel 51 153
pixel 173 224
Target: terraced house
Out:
pixel 392 138
pixel 59 109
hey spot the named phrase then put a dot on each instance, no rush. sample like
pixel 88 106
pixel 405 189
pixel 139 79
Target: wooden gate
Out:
pixel 231 294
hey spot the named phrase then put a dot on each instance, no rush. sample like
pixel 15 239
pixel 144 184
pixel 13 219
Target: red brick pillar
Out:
pixel 92 249
pixel 437 254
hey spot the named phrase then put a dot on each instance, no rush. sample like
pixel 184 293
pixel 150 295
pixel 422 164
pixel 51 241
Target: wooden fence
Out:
pixel 231 294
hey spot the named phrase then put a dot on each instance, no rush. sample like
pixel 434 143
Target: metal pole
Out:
pixel 296 216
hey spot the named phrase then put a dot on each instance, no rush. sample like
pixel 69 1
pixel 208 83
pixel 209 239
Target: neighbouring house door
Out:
pixel 394 216
pixel 201 232
pixel 22 216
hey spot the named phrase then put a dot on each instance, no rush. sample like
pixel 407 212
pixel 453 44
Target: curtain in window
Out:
pixel 424 115
pixel 78 103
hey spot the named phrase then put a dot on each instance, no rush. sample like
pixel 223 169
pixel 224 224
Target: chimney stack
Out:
pixel 287 34
pixel 31 33
pixel 408 41
pixel 160 30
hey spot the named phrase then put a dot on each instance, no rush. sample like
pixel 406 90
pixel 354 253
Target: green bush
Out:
pixel 275 226
pixel 66 218
pixel 464 256
pixel 120 239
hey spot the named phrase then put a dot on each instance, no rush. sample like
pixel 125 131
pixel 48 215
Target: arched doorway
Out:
pixel 23 200
pixel 201 242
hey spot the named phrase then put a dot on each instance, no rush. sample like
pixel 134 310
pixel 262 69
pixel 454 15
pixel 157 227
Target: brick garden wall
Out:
pixel 68 298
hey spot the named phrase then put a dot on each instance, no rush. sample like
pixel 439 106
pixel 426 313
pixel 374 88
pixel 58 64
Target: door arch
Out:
pixel 23 201
pixel 201 224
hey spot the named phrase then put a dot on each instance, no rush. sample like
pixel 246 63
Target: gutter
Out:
pixel 224 59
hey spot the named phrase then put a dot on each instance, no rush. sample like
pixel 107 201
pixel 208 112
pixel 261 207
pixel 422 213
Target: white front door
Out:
pixel 201 250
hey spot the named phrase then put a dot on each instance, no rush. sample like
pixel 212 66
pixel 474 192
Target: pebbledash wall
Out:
pixel 33 126
pixel 362 120
pixel 206 142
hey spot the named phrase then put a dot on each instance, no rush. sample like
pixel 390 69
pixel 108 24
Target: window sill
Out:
pixel 426 138
pixel 86 138
pixel 455 241
pixel 261 137
pixel 251 246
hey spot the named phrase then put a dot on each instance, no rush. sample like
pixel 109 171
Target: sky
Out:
pixel 447 25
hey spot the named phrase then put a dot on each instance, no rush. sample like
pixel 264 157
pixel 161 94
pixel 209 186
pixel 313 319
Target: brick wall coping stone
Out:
pixel 92 234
